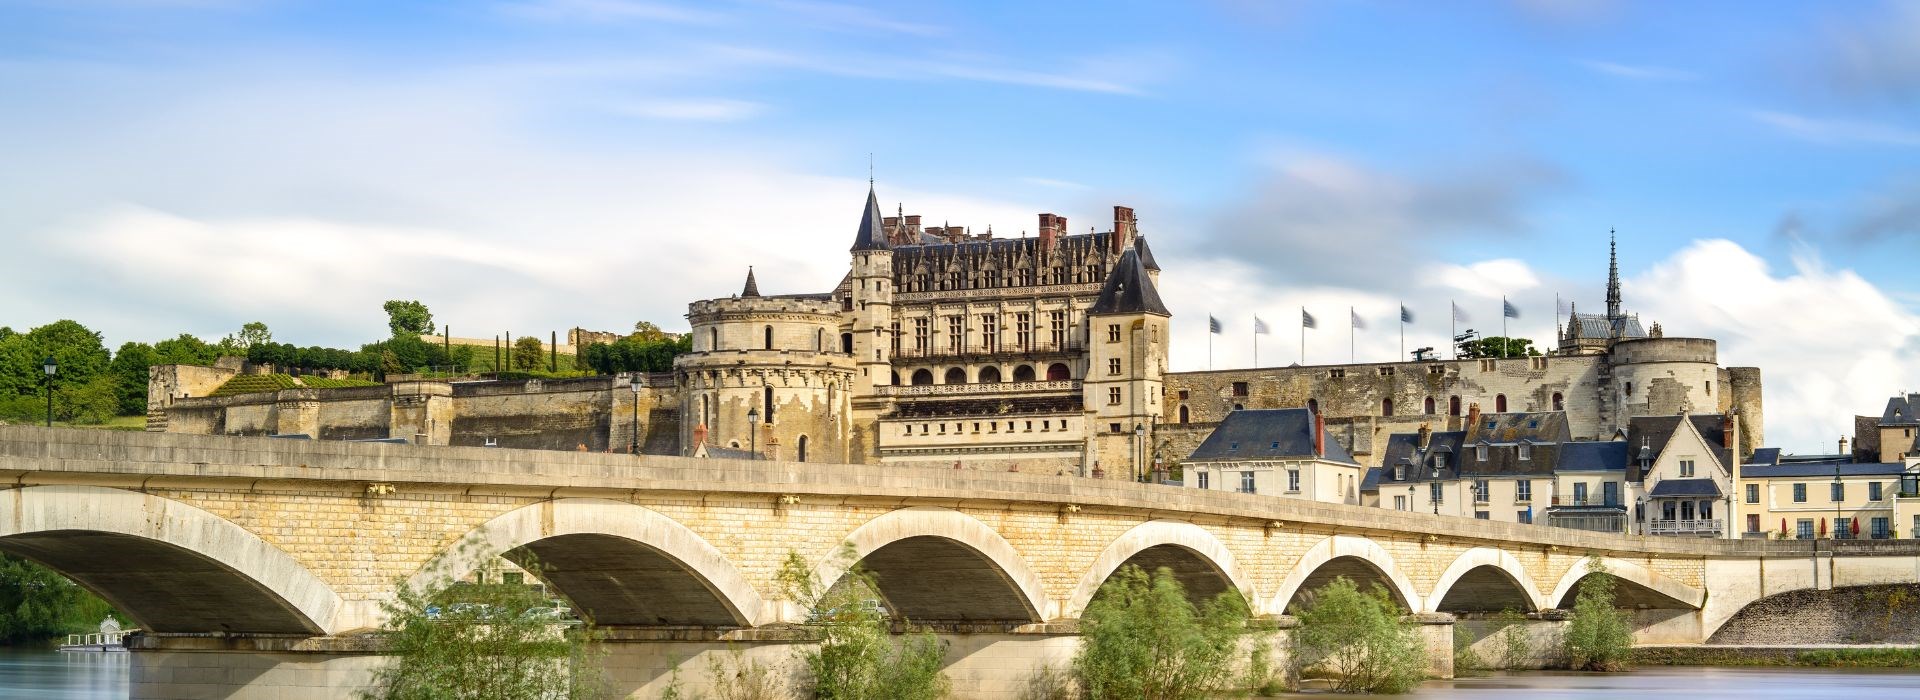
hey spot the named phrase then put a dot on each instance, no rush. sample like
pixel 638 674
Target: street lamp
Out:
pixel 753 428
pixel 1139 435
pixel 634 382
pixel 51 367
pixel 1837 495
pixel 1433 491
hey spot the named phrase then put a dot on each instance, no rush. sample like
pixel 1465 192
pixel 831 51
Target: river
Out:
pixel 50 675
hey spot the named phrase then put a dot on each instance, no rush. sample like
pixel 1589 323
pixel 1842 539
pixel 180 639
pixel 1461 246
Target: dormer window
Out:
pixel 1480 451
pixel 1526 450
pixel 1400 472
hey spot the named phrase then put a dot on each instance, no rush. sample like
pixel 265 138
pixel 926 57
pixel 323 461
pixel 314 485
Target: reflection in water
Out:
pixel 1679 681
pixel 45 674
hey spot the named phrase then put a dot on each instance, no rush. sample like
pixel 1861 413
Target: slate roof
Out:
pixel 1685 487
pixel 1129 290
pixel 1605 455
pixel 872 235
pixel 1647 437
pixel 1268 433
pixel 1599 326
pixel 1814 470
pixel 1763 455
pixel 1146 254
pixel 1460 458
pixel 718 452
pixel 1370 482
pixel 753 288
pixel 1540 426
pixel 1902 410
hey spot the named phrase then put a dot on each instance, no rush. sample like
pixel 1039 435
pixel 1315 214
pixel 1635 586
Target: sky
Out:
pixel 529 166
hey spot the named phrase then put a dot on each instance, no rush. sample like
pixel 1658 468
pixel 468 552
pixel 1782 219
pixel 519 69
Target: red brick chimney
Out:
pixel 1050 226
pixel 1319 435
pixel 1473 420
pixel 699 434
pixel 1123 228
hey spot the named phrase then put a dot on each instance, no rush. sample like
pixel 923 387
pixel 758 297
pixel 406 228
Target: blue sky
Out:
pixel 531 166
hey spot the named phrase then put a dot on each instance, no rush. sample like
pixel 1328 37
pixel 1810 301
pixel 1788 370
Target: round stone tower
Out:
pixel 777 359
pixel 1664 377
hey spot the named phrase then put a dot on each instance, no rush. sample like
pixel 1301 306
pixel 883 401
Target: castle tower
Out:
pixel 870 338
pixel 1127 359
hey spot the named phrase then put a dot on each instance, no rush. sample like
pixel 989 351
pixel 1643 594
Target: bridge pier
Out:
pixel 206 667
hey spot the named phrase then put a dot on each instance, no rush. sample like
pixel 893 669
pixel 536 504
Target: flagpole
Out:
pixel 1352 354
pixel 1503 322
pixel 1256 341
pixel 1303 336
pixel 1453 328
pixel 1403 333
pixel 1209 342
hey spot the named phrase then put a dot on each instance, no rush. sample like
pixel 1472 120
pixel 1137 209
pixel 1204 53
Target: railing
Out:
pixel 98 639
pixel 1696 526
pixel 1005 347
pixel 1071 385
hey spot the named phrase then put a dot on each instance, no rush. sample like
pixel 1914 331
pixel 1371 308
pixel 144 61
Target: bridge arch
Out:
pixel 170 566
pixel 622 564
pixel 1345 555
pixel 1485 579
pixel 1644 587
pixel 939 565
pixel 1198 559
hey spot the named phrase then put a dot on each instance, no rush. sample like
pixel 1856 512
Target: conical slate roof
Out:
pixel 872 235
pixel 1146 254
pixel 1129 290
pixel 753 289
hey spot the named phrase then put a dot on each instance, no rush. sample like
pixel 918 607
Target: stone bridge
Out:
pixel 255 562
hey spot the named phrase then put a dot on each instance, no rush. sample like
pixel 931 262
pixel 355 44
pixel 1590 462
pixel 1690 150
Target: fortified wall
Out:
pixel 597 413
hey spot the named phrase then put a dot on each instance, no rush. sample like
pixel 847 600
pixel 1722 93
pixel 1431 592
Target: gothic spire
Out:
pixel 753 289
pixel 872 235
pixel 1613 276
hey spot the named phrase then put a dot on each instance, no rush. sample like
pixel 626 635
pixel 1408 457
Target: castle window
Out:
pixel 1500 403
pixel 1336 374
pixel 1559 402
pixel 1629 388
pixel 922 335
pixel 1537 362
pixel 819 340
pixel 1023 373
pixel 1386 371
pixel 1453 406
pixel 1429 406
pixel 1436 369
pixel 713 339
pixel 1480 452
pixel 846 343
pixel 802 454
pixel 1709 386
pixel 956 375
pixel 1059 322
pixel 989 375
pixel 1057 372
pixel 1113 366
pixel 766 397
pixel 896 337
pixel 1023 331
pixel 956 334
pixel 1183 394
pixel 1183 414
pixel 993 278
pixel 1386 407
pixel 989 332
pixel 922 377
pixel 1113 332
pixel 1239 388
pixel 1113 396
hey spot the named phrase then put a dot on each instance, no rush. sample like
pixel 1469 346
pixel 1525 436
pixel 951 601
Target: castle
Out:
pixel 944 348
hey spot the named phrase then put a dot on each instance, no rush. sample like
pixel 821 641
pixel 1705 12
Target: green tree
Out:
pixel 528 354
pixel 1142 637
pixel 185 350
pixel 37 604
pixel 251 334
pixel 78 350
pixel 1362 639
pixel 1598 638
pixel 130 369
pixel 408 318
pixel 1497 347
pixel 647 331
pixel 857 658
pixel 458 641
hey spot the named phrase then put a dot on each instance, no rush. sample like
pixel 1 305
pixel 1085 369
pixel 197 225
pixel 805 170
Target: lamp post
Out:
pixel 1433 491
pixel 753 430
pixel 1139 436
pixel 1838 494
pixel 634 383
pixel 51 367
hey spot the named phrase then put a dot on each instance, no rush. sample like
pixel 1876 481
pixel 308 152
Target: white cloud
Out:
pixel 1634 72
pixel 692 109
pixel 610 11
pixel 1834 131
pixel 1829 344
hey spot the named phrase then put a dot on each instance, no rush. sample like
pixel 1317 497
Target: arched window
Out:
pixel 1559 402
pixel 1500 403
pixel 1313 406
pixel 922 377
pixel 896 378
pixel 955 375
pixel 819 340
pixel 1429 406
pixel 766 409
pixel 769 337
pixel 1183 414
pixel 1453 406
pixel 1023 373
pixel 713 339
pixel 989 375
pixel 803 448
pixel 1057 372
pixel 1386 407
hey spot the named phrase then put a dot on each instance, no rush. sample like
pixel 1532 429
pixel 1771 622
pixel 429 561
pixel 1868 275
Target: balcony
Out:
pixel 1708 527
pixel 1006 348
pixel 1070 386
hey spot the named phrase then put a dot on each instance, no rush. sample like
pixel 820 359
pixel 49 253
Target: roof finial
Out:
pixel 869 169
pixel 1613 274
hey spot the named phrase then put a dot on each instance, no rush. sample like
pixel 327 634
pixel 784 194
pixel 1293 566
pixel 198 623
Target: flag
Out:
pixel 1458 315
pixel 1357 322
pixel 1406 315
pixel 1306 319
pixel 1562 305
pixel 1259 326
pixel 1508 309
pixel 1213 325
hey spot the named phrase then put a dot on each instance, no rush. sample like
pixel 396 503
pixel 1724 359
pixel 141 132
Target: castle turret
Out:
pixel 1127 360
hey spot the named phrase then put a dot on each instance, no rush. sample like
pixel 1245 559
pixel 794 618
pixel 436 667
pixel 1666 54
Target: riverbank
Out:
pixel 1801 656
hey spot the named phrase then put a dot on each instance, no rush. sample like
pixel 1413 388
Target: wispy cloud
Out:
pixel 692 109
pixel 611 11
pixel 1633 72
pixel 833 15
pixel 1835 131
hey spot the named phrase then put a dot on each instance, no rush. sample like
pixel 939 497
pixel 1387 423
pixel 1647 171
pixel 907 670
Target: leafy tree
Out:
pixel 185 350
pixel 458 641
pixel 79 351
pixel 1497 347
pixel 37 604
pixel 1360 638
pixel 527 353
pixel 635 353
pixel 408 318
pixel 251 334
pixel 648 331
pixel 130 369
pixel 1142 638
pixel 857 658
pixel 1598 638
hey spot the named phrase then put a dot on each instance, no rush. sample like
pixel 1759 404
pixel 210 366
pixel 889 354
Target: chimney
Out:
pixel 1843 445
pixel 1123 228
pixel 700 434
pixel 1473 420
pixel 1729 432
pixel 1319 434
pixel 913 224
pixel 1426 435
pixel 1049 229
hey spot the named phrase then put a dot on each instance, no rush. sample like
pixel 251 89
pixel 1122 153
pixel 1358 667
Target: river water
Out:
pixel 50 675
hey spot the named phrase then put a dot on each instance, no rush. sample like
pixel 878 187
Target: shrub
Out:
pixel 1598 638
pixel 857 658
pixel 1362 639
pixel 1142 638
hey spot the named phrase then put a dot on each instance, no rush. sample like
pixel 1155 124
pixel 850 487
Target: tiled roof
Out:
pixel 1685 487
pixel 1902 410
pixel 1821 469
pixel 1272 433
